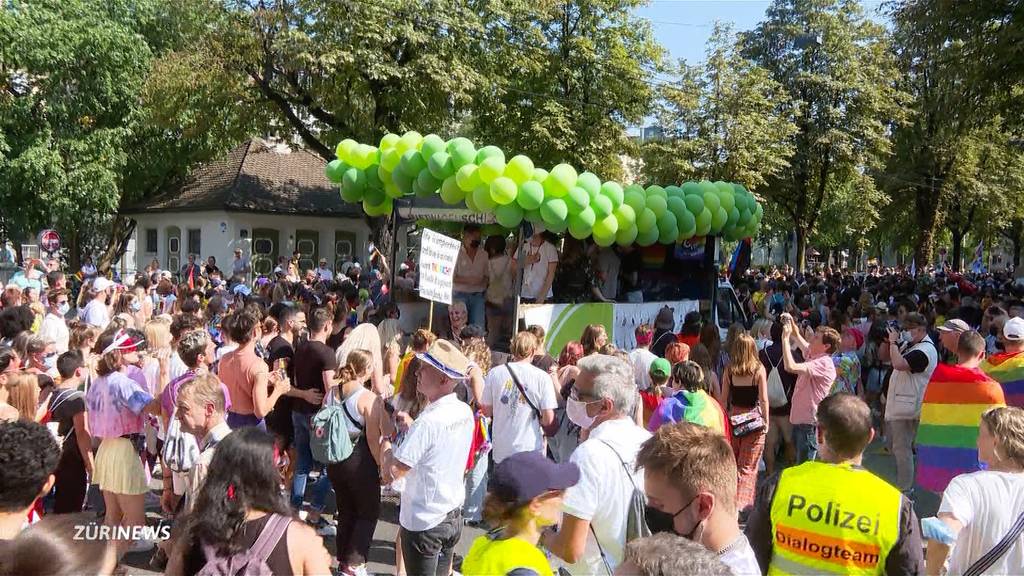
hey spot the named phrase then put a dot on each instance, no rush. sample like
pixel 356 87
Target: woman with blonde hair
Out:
pixel 981 516
pixel 391 335
pixel 745 396
pixel 21 391
pixel 365 337
pixel 762 333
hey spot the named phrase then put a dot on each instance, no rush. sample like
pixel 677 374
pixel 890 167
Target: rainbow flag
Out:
pixel 950 412
pixel 696 407
pixel 1007 368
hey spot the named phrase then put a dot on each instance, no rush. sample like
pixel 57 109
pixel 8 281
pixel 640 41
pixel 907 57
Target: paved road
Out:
pixel 382 552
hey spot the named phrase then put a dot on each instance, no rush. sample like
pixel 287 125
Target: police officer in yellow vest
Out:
pixel 831 516
pixel 524 495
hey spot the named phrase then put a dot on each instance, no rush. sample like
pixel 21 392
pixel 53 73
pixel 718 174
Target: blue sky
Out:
pixel 683 26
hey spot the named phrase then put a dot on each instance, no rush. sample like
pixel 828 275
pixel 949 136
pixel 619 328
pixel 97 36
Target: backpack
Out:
pixel 181 450
pixel 251 562
pixel 328 435
pixel 776 392
pixel 59 397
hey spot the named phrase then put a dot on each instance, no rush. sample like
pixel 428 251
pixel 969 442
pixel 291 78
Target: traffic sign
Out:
pixel 49 241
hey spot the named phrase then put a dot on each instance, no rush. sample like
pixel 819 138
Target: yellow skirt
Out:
pixel 118 468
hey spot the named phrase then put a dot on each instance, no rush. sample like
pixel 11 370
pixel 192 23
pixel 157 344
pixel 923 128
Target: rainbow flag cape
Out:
pixel 1007 368
pixel 950 412
pixel 696 407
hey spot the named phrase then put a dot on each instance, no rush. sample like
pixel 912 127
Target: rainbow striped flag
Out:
pixel 950 412
pixel 1007 368
pixel 696 407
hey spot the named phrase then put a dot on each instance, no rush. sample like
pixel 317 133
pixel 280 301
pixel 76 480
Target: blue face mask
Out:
pixel 63 309
pixel 50 361
pixel 136 306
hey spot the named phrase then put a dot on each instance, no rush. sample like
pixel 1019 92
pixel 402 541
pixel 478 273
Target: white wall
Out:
pixel 221 233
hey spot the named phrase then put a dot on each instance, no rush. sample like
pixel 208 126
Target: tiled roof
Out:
pixel 255 177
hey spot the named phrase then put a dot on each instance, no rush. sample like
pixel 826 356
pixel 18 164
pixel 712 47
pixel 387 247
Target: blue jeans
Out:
pixel 303 464
pixel 805 439
pixel 476 489
pixel 474 306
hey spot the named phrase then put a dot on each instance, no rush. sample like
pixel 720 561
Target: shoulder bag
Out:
pixel 550 429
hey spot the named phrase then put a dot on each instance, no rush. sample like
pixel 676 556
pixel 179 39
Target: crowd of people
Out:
pixel 254 403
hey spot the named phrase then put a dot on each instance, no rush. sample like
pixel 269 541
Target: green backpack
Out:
pixel 328 435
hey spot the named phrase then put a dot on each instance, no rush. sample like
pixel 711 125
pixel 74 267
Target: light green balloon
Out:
pixel 626 236
pixel 625 215
pixel 691 188
pixel 554 211
pixel 530 196
pixel 727 199
pixel 560 180
pixel 577 229
pixel 723 186
pixel 467 177
pixel 533 216
pixel 440 165
pixel 613 191
pixel 391 190
pixel 412 163
pixel 471 204
pixel 509 215
pixel 490 152
pixel 409 141
pixel 388 141
pixel 390 159
pixel 655 190
pixel 711 201
pixel 432 144
pixel 459 141
pixel 606 226
pixel 602 206
pixel 645 219
pixel 657 204
pixel 577 199
pixel 363 156
pixel 482 198
pixel 589 182
pixel 463 154
pixel 383 174
pixel 647 236
pixel 585 219
pixel 503 190
pixel 344 150
pixel 718 220
pixel 519 169
pixel 539 174
pixel 637 200
pixel 490 169
pixel 375 210
pixel 451 192
pixel 703 222
pixel 604 241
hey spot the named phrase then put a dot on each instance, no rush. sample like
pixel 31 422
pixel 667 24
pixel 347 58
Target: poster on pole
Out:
pixel 438 254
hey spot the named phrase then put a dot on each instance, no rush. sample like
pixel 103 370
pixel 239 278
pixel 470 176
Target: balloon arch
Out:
pixel 514 189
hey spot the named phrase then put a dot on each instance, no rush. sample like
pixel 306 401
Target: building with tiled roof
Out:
pixel 266 198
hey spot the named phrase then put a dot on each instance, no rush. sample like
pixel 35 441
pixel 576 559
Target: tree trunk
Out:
pixel 958 249
pixel 926 211
pixel 120 233
pixel 74 251
pixel 801 249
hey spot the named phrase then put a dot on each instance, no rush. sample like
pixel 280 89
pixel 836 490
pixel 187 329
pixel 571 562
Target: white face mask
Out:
pixel 905 336
pixel 576 410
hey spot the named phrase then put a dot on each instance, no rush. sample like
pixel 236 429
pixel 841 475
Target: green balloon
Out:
pixel 560 180
pixel 388 141
pixel 759 212
pixel 625 215
pixel 519 169
pixel 432 144
pixel 412 163
pixel 539 174
pixel 409 141
pixel 482 198
pixel 335 171
pixel 626 236
pixel 690 188
pixel 533 216
pixel 723 186
pixel 718 220
pixel 381 209
pixel 647 236
pixel 374 196
pixel 656 191
pixel 362 156
pixel 354 179
pixel 666 222
pixel 530 196
pixel 373 179
pixel 490 152
pixel 636 200
pixel 676 206
pixel 685 233
pixel 584 219
pixel 344 150
pixel 428 184
pixel 391 190
pixel 602 206
pixel 657 204
pixel 459 141
pixel 604 241
pixel 577 229
pixel 383 175
pixel 589 182
pixel 706 186
pixel 727 199
pixel 744 219
pixel 703 222
pixel 503 190
pixel 673 191
pixel 645 219
pixel 577 199
pixel 467 177
pixel 685 220
pixel 471 204
pixel 711 201
pixel 390 159
pixel 440 165
pixel 463 154
pixel 554 211
pixel 351 195
pixel 451 192
pixel 403 181
pixel 606 226
pixel 734 217
pixel 557 227
pixel 613 192
pixel 509 215
pixel 490 169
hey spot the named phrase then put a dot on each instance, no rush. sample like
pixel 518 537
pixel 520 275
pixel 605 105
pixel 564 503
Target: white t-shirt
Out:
pixel 436 448
pixel 987 504
pixel 324 274
pixel 55 328
pixel 515 426
pixel 603 493
pixel 95 314
pixel 642 359
pixel 608 263
pixel 534 273
pixel 740 558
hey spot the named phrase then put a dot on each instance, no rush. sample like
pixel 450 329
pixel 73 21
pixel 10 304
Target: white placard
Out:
pixel 438 254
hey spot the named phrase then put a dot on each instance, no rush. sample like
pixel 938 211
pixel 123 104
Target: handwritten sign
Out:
pixel 438 254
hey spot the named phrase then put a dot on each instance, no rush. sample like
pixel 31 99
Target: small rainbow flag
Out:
pixel 696 407
pixel 951 410
pixel 1007 368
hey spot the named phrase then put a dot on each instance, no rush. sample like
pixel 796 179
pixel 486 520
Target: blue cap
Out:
pixel 525 475
pixel 242 290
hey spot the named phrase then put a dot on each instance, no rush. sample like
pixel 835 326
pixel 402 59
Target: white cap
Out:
pixel 1014 329
pixel 100 284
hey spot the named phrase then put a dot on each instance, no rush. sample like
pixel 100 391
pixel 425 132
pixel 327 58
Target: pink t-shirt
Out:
pixel 115 404
pixel 811 388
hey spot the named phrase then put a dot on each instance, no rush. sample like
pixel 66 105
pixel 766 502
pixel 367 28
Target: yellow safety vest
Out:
pixel 488 557
pixel 832 519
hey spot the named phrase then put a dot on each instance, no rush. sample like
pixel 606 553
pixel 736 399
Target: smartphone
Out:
pixel 282 368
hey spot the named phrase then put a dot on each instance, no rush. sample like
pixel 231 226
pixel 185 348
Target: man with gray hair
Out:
pixel 600 403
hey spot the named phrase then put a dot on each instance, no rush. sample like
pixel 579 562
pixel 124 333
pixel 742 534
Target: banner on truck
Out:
pixel 438 254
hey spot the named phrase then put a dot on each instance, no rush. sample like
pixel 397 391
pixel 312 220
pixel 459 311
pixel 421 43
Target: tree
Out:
pixel 721 121
pixel 835 66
